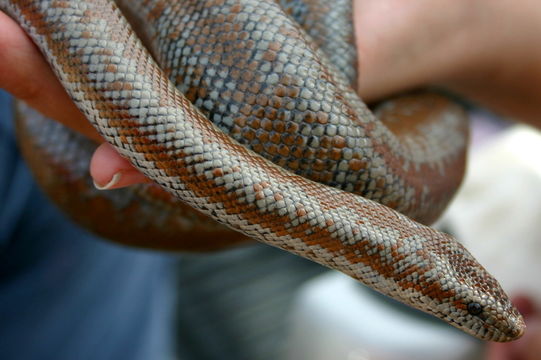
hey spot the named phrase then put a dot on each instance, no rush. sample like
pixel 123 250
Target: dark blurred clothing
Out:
pixel 64 294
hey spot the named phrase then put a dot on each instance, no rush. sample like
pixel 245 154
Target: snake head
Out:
pixel 485 313
pixel 474 302
pixel 433 272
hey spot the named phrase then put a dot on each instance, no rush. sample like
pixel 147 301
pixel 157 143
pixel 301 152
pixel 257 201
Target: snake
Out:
pixel 252 118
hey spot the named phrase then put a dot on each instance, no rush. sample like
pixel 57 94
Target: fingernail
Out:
pixel 114 181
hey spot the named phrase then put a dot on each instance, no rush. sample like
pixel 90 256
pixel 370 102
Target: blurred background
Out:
pixel 261 303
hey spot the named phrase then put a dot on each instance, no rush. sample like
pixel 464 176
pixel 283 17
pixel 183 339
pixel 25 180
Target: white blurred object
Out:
pixel 497 214
pixel 336 318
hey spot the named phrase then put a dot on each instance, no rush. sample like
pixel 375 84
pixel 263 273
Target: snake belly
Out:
pixel 263 67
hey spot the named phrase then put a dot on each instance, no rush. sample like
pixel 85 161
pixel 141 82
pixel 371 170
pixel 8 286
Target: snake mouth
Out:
pixel 512 330
pixel 518 334
pixel 516 330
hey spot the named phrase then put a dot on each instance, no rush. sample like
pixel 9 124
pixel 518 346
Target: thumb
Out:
pixel 110 171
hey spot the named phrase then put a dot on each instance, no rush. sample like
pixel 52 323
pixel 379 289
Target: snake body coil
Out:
pixel 256 74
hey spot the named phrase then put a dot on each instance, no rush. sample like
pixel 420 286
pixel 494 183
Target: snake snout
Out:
pixel 516 328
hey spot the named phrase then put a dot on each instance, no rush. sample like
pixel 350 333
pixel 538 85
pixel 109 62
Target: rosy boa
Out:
pixel 255 73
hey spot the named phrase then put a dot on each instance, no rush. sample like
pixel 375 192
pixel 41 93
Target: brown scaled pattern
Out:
pixel 255 75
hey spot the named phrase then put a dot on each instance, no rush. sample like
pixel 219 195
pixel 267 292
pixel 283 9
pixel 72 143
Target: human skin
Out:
pixel 487 51
pixel 27 76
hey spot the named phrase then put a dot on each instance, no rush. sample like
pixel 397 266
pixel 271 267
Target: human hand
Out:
pixel 27 76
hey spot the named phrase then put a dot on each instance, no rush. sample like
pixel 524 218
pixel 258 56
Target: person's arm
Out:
pixel 486 51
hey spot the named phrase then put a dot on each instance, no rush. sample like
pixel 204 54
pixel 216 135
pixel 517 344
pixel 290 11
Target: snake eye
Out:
pixel 475 308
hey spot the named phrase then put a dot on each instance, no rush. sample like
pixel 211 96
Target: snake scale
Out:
pixel 278 77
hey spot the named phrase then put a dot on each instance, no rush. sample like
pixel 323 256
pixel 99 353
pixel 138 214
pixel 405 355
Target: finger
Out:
pixel 531 349
pixel 111 171
pixel 26 75
pixel 498 351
